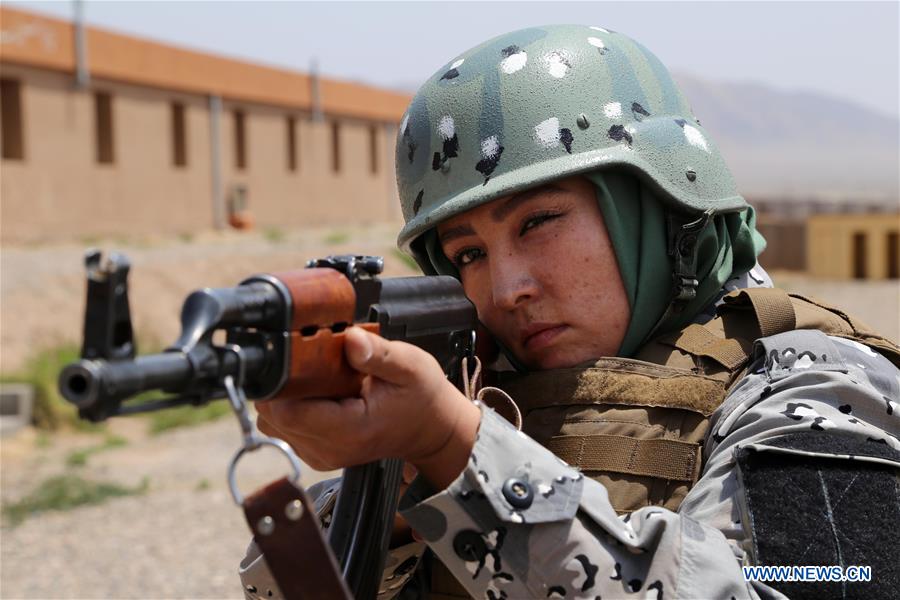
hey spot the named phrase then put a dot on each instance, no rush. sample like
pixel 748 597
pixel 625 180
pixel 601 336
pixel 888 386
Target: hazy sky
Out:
pixel 845 49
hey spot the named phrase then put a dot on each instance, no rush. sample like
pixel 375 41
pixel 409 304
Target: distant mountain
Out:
pixel 794 144
pixel 798 144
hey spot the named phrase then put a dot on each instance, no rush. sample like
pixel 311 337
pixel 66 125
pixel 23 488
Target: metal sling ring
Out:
pixel 253 440
pixel 263 441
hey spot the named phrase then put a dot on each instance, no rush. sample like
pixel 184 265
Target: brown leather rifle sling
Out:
pixel 283 521
pixel 286 529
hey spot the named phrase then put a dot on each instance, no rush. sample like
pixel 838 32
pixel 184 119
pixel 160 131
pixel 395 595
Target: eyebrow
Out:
pixel 455 232
pixel 500 212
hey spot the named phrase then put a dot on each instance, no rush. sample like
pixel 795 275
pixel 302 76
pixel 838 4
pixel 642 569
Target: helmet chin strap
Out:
pixel 682 233
pixel 515 362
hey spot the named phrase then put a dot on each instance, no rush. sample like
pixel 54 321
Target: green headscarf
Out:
pixel 636 222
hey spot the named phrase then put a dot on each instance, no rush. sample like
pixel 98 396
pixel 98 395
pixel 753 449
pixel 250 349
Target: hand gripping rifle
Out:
pixel 284 335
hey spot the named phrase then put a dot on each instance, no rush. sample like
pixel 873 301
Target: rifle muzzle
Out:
pixel 97 387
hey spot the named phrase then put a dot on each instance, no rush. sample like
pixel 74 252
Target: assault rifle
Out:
pixel 284 335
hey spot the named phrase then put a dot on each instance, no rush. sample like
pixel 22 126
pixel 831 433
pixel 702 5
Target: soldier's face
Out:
pixel 540 268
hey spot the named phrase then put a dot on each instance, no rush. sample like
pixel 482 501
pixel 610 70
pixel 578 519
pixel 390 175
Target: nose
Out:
pixel 512 283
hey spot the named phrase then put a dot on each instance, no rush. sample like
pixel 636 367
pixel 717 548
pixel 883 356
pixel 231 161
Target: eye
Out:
pixel 467 256
pixel 538 220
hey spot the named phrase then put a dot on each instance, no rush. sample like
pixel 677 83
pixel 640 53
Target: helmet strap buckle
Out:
pixel 682 249
pixel 682 235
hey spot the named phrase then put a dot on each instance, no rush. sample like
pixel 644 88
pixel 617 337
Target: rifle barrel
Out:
pixel 97 387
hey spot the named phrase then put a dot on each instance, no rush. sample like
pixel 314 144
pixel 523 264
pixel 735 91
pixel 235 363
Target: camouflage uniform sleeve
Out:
pixel 520 523
pixel 802 461
pixel 400 565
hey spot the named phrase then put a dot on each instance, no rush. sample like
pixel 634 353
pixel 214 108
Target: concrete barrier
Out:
pixel 16 403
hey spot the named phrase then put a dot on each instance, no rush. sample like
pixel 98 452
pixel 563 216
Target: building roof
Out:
pixel 43 42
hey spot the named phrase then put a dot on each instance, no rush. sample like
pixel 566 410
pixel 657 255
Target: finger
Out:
pixel 305 448
pixel 409 472
pixel 392 361
pixel 323 434
pixel 317 417
pixel 266 423
pixel 267 428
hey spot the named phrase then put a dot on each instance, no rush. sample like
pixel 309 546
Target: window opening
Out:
pixel 103 127
pixel 240 150
pixel 179 136
pixel 291 124
pixel 860 258
pixel 893 255
pixel 373 149
pixel 335 147
pixel 11 120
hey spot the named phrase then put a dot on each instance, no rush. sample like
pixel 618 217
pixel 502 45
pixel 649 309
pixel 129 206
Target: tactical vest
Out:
pixel 638 425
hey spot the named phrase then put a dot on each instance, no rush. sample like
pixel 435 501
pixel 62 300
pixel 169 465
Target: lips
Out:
pixel 538 335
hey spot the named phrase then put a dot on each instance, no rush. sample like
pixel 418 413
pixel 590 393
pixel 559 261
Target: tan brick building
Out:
pixel 831 239
pixel 163 140
pixel 857 246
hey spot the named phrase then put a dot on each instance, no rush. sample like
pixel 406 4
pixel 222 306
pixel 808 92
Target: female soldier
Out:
pixel 561 176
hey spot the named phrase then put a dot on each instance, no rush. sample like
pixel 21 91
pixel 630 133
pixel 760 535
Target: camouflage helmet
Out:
pixel 543 103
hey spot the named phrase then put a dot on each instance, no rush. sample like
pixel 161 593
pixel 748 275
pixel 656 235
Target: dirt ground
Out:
pixel 183 538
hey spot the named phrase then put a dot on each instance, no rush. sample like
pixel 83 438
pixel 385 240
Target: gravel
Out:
pixel 183 538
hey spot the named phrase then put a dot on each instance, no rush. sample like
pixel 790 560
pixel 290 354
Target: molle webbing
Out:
pixel 746 315
pixel 668 459
pixel 698 340
pixel 772 306
pixel 617 381
pixel 849 327
pixel 635 427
